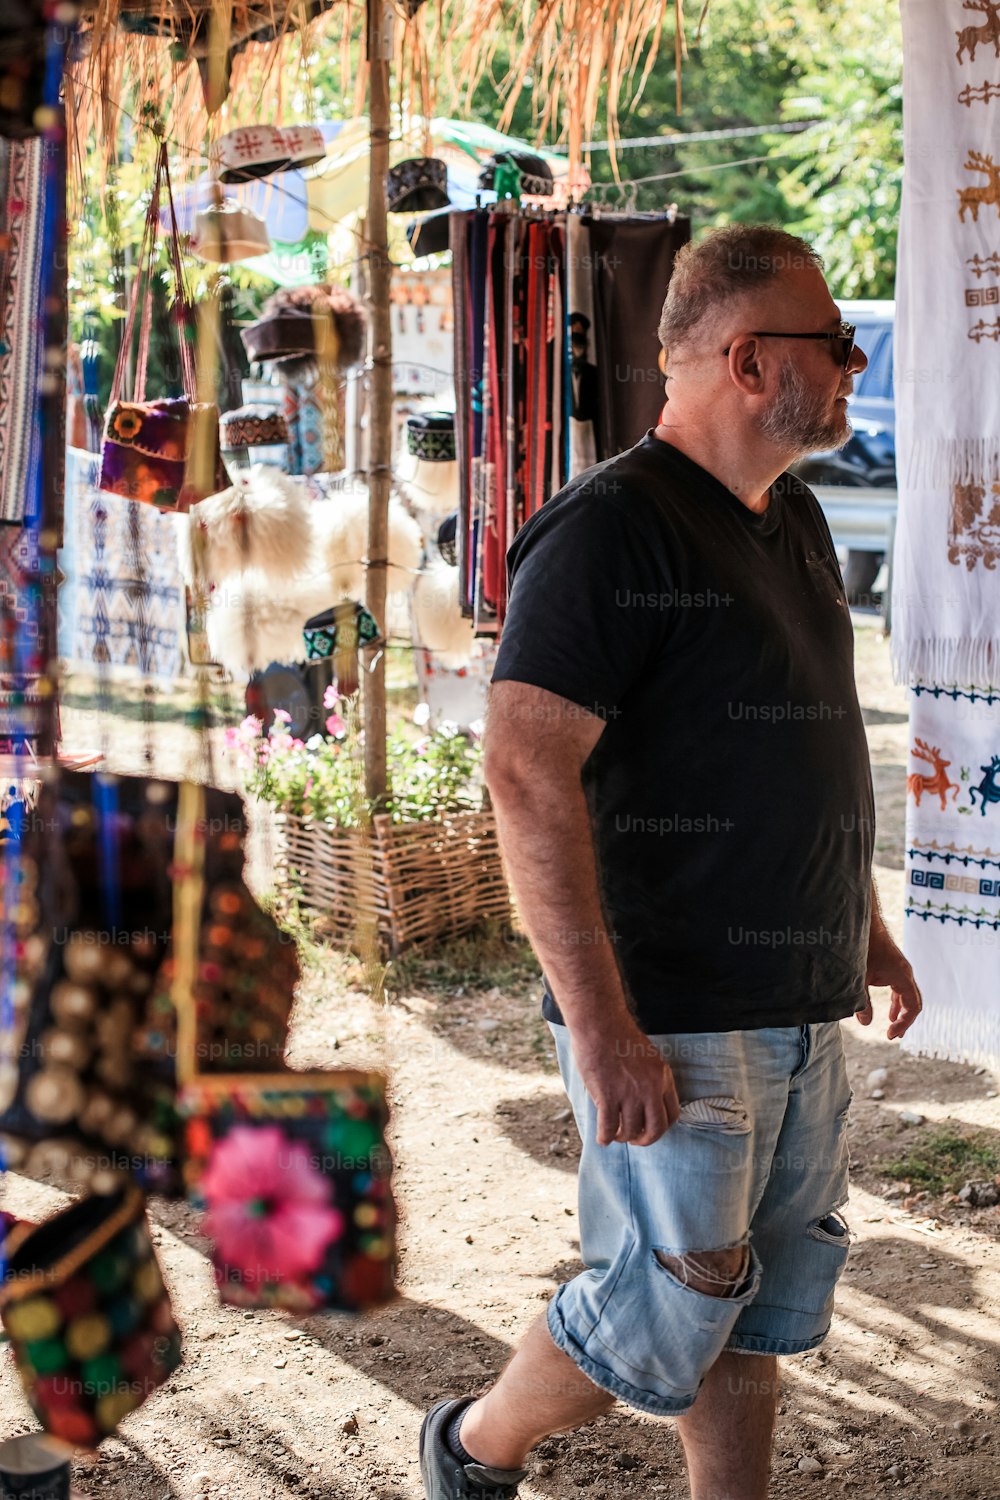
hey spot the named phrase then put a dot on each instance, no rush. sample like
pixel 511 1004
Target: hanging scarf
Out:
pixel 22 226
pixel 946 584
pixel 952 932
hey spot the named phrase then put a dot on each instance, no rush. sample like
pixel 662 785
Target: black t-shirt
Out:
pixel 730 789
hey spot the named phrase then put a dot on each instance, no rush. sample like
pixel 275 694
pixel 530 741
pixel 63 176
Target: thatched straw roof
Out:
pixel 163 57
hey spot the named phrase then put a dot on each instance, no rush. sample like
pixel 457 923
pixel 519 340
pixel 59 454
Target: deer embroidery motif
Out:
pixel 975 196
pixel 989 787
pixel 919 782
pixel 971 37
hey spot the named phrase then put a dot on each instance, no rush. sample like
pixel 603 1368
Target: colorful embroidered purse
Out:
pixel 291 1169
pixel 88 1316
pixel 164 453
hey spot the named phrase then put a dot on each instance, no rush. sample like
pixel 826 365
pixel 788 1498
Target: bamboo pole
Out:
pixel 380 24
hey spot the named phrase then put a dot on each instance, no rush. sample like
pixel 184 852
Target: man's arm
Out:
pixel 536 746
pixel 888 966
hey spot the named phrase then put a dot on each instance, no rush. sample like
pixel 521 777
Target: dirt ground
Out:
pixel 903 1394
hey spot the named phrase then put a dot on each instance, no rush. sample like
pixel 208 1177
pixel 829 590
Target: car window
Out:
pixel 876 380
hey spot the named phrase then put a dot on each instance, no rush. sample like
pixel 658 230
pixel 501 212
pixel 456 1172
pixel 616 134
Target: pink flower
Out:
pixel 335 725
pixel 232 736
pixel 268 1208
pixel 282 716
pixel 331 697
pixel 251 727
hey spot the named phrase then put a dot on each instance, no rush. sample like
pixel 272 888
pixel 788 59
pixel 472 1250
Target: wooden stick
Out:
pixel 380 430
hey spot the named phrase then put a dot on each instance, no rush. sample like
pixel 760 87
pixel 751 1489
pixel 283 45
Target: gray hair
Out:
pixel 721 267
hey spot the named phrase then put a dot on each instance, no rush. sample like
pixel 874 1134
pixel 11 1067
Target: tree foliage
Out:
pixel 760 63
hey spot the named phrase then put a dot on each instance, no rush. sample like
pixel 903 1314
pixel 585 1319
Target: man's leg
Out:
pixel 727 1433
pixel 541 1391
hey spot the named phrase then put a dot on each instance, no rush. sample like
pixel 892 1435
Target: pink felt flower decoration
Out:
pixel 335 724
pixel 268 1206
pixel 331 697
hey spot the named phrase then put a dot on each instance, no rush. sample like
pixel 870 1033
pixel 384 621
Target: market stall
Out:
pixel 144 994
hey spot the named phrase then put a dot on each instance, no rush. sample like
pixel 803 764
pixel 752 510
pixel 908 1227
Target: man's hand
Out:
pixel 887 966
pixel 631 1085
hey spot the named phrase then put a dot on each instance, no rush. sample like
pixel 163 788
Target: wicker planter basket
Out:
pixel 414 882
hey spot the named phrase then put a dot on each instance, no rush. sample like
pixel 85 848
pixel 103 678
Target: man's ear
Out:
pixel 745 364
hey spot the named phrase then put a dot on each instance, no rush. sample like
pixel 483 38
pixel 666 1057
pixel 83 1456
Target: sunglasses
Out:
pixel 844 336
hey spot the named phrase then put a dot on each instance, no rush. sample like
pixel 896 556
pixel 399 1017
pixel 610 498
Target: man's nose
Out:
pixel 858 361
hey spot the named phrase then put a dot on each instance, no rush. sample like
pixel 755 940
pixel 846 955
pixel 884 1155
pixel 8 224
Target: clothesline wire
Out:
pixel 720 166
pixel 690 138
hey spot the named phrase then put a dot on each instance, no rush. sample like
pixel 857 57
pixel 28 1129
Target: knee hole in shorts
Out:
pixel 715 1273
pixel 832 1228
pixel 716 1112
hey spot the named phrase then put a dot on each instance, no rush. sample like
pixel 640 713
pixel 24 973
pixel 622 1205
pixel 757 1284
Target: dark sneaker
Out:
pixel 446 1477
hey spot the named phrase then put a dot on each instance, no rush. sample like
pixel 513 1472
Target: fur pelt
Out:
pixel 251 624
pixel 347 539
pixel 254 618
pixel 440 624
pixel 349 320
pixel 341 526
pixel 262 522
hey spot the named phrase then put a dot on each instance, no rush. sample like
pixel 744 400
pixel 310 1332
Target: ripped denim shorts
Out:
pixel 758 1158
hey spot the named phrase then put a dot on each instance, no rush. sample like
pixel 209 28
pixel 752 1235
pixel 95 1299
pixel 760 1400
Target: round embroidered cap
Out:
pixel 447 539
pixel 430 435
pixel 345 626
pixel 417 185
pixel 253 427
pixel 536 174
pixel 258 150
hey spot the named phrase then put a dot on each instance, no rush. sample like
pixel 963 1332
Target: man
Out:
pixel 679 769
pixel 583 391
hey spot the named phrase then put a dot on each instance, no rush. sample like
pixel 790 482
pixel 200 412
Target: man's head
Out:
pixel 734 299
pixel 579 332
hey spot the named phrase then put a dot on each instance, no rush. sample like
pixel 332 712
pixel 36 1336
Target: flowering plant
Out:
pixel 323 778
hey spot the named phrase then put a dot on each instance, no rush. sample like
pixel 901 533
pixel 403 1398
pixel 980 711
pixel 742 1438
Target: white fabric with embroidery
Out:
pixel 952 874
pixel 946 572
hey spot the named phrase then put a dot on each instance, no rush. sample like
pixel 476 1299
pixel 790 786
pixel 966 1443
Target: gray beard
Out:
pixel 801 420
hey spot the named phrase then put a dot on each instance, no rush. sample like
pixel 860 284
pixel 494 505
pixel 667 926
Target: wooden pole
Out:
pixel 380 22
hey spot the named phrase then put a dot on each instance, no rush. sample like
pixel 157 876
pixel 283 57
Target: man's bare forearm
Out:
pixel 548 844
pixel 877 930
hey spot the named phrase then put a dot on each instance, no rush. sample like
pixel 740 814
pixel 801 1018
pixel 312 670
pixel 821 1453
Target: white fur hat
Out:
pixel 263 522
pixel 440 624
pixel 251 624
pixel 347 542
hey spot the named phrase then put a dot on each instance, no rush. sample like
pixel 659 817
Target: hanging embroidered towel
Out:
pixel 952 875
pixel 946 585
pixel 22 224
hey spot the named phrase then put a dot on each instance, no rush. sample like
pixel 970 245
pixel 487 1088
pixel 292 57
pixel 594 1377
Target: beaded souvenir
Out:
pixel 291 1169
pixel 292 1173
pixel 88 1316
pixel 87 1073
